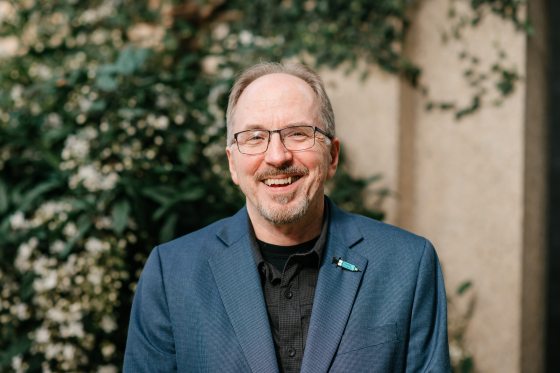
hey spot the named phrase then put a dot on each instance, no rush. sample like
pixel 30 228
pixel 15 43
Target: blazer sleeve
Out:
pixel 150 344
pixel 428 348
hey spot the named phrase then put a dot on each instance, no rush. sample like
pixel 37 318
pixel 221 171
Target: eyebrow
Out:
pixel 257 126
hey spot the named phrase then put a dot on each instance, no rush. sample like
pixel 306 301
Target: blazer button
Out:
pixel 291 352
pixel 288 294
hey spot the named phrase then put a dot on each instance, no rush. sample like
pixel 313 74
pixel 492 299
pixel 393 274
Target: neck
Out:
pixel 303 230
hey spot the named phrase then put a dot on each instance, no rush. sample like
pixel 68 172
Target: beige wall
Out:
pixel 473 187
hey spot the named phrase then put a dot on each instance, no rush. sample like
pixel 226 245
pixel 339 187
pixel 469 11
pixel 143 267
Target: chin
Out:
pixel 286 213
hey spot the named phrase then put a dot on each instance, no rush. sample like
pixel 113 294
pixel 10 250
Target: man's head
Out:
pixel 283 180
pixel 298 70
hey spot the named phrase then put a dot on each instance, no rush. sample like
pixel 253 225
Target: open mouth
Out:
pixel 281 182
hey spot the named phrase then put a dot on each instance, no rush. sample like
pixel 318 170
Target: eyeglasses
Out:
pixel 295 138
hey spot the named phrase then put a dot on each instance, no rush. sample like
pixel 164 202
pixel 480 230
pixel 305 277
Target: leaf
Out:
pixel 4 200
pixel 463 287
pixel 161 194
pixel 193 193
pixel 106 82
pixel 131 59
pixel 36 192
pixel 162 210
pixel 168 230
pixel 186 151
pixel 120 213
pixel 84 224
pixel 17 347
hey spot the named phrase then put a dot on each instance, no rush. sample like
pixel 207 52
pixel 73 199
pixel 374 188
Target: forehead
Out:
pixel 276 100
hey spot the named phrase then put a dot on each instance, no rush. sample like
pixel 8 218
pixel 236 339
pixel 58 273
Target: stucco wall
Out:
pixel 462 184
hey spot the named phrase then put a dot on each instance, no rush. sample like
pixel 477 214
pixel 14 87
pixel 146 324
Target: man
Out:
pixel 290 283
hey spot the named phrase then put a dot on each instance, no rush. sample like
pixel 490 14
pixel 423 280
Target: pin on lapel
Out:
pixel 344 265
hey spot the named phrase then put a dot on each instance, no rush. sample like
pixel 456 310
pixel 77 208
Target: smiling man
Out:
pixel 291 283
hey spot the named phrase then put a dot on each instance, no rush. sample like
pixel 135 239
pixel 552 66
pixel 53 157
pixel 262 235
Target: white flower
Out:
pixel 17 364
pixel 25 251
pixel 146 35
pixel 93 180
pixel 56 315
pixel 221 31
pixel 107 369
pixel 69 352
pixel 72 329
pixel 159 123
pixel 52 350
pixel 95 275
pixel 49 210
pixel 46 283
pixel 85 104
pixel 42 335
pixel 108 349
pixel 17 92
pixel 70 230
pixel 103 222
pixel 54 120
pixel 108 324
pixel 95 245
pixel 75 147
pixel 20 310
pixel 8 45
pixel 245 37
pixel 17 221
pixel 57 247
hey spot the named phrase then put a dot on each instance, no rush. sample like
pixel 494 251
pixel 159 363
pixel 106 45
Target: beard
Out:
pixel 283 214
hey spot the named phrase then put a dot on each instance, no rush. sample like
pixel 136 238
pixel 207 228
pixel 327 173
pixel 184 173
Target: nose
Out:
pixel 277 155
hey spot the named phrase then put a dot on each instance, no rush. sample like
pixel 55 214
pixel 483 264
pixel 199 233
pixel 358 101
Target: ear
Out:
pixel 334 153
pixel 232 169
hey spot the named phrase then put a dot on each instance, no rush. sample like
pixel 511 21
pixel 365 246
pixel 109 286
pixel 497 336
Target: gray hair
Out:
pixel 298 70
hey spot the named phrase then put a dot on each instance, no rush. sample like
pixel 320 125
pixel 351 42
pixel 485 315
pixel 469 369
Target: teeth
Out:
pixel 285 181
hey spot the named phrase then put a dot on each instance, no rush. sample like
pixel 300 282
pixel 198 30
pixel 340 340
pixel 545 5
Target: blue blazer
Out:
pixel 199 304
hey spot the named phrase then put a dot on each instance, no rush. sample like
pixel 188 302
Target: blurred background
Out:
pixel 112 137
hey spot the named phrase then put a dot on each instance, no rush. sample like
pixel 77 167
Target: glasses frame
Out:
pixel 271 132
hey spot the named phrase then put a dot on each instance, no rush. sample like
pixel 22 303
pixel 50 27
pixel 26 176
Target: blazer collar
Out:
pixel 239 284
pixel 340 226
pixel 335 292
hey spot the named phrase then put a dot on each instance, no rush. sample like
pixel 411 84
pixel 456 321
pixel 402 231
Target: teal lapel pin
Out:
pixel 345 265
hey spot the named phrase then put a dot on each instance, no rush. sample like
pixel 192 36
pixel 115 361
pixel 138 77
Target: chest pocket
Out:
pixel 358 338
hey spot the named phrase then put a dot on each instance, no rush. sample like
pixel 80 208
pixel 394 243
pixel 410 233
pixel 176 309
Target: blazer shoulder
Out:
pixel 201 242
pixel 379 236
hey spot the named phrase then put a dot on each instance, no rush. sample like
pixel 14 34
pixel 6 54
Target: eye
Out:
pixel 254 137
pixel 297 134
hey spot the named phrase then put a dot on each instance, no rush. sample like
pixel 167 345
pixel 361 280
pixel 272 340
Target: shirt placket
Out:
pixel 290 327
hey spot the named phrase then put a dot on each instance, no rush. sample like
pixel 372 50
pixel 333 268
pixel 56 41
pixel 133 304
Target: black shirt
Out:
pixel 289 276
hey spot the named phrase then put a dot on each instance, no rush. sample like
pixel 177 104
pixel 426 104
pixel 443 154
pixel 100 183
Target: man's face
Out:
pixel 281 186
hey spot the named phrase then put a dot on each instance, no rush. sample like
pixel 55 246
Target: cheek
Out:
pixel 243 170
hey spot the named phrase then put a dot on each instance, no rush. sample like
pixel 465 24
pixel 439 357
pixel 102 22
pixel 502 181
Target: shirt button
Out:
pixel 288 294
pixel 291 352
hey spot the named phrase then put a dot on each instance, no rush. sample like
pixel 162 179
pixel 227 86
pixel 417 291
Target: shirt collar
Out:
pixel 316 251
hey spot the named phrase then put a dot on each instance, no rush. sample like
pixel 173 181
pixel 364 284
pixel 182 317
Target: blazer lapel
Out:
pixel 239 285
pixel 334 295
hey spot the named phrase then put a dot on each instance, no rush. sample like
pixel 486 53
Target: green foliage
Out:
pixel 461 305
pixel 498 78
pixel 112 140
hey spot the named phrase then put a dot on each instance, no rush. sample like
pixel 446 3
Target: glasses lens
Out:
pixel 298 138
pixel 252 141
pixel 294 138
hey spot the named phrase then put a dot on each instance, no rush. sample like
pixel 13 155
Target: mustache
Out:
pixel 284 171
